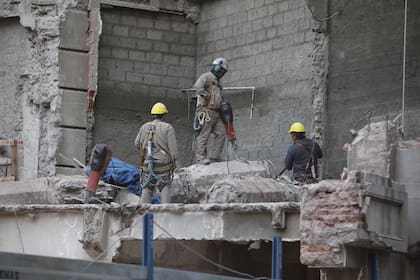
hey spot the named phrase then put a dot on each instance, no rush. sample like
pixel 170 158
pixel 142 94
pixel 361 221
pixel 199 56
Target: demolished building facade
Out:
pixel 75 73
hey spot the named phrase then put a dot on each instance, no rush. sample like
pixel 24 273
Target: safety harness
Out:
pixel 309 177
pixel 152 171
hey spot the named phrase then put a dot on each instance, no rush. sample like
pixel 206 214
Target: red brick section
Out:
pixel 330 217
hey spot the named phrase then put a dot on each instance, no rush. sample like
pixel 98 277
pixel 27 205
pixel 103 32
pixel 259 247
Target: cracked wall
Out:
pixel 270 46
pixel 36 83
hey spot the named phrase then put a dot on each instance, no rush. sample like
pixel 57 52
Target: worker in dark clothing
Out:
pixel 302 156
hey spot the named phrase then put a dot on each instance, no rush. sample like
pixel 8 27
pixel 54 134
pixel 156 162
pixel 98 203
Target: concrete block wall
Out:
pixel 268 44
pixel 144 57
pixel 366 49
pixel 73 83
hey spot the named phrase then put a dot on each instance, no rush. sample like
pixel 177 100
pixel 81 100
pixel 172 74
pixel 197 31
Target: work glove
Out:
pixel 87 195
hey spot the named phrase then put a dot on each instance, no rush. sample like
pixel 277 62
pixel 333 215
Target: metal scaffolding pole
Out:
pixel 148 244
pixel 276 262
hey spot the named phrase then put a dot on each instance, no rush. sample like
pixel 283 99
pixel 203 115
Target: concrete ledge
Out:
pixel 228 222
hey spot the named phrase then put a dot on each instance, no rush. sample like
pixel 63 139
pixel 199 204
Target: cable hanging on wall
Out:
pixel 321 19
pixel 403 68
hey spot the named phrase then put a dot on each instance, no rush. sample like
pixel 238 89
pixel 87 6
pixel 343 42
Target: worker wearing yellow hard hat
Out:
pixel 297 127
pixel 158 152
pixel 159 109
pixel 302 156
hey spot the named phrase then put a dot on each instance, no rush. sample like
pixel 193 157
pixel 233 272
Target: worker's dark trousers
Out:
pixel 215 126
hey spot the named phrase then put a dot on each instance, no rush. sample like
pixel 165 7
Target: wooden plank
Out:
pixel 13 149
pixel 131 5
pixel 7 179
pixel 7 142
pixel 4 161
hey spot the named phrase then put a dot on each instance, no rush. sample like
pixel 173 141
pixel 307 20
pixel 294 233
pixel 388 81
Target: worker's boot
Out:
pixel 205 161
pixel 215 160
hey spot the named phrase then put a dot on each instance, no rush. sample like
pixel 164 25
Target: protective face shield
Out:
pixel 220 67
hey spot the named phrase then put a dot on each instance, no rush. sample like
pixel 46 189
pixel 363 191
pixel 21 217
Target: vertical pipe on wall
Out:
pixel 276 261
pixel 147 249
pixel 403 70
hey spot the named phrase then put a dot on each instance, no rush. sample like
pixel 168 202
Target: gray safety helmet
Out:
pixel 222 62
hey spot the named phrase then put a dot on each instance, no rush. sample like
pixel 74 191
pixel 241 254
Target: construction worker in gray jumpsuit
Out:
pixel 158 151
pixel 209 97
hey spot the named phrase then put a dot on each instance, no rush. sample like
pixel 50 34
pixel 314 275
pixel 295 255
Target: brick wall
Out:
pixel 366 46
pixel 268 45
pixel 144 57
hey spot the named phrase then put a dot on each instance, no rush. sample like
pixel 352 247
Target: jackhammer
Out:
pixel 226 114
pixel 99 160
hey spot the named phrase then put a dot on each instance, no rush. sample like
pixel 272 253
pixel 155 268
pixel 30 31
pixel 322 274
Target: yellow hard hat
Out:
pixel 297 127
pixel 159 109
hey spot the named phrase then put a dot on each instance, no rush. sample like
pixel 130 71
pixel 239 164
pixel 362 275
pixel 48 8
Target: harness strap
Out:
pixel 212 95
pixel 151 135
pixel 161 169
pixel 311 153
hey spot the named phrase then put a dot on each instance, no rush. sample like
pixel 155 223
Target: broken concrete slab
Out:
pixel 371 148
pixel 52 190
pixel 191 183
pixel 251 189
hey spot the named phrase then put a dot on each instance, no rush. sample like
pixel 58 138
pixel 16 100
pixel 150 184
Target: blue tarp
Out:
pixel 123 174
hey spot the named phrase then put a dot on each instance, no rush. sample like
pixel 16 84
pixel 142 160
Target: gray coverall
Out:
pixel 165 154
pixel 209 97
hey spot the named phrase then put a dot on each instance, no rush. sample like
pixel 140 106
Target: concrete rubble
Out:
pixel 251 189
pixel 372 148
pixel 53 190
pixel 190 184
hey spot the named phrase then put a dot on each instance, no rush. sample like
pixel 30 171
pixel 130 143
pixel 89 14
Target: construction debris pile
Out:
pixel 251 189
pixel 53 190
